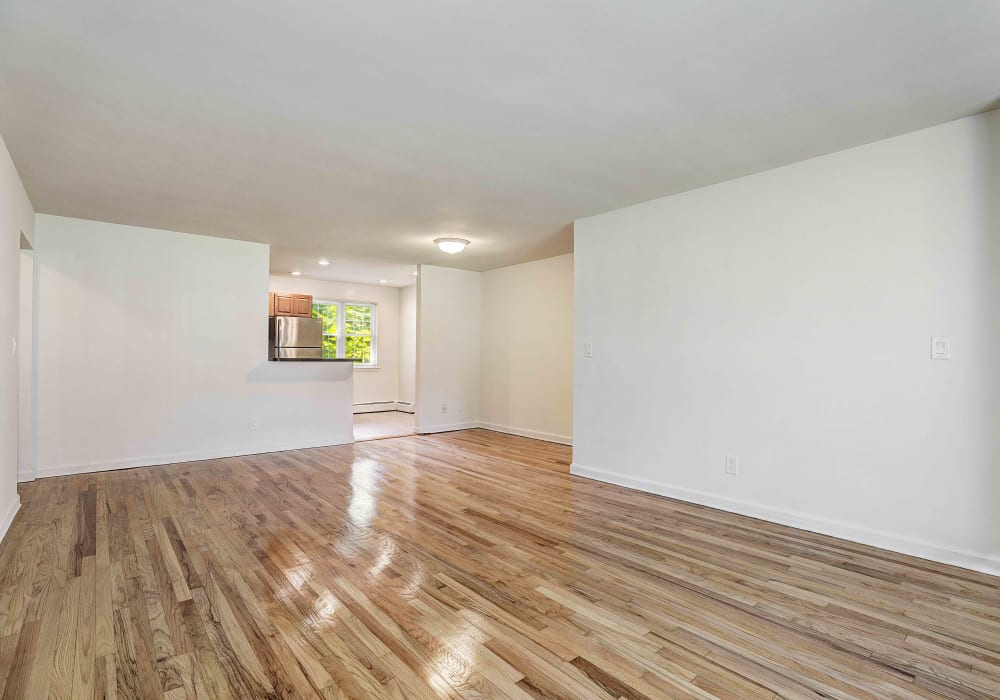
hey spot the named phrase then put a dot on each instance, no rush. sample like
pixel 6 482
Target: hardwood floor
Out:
pixel 459 565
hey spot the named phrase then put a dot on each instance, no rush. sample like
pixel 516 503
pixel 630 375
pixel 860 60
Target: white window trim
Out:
pixel 342 335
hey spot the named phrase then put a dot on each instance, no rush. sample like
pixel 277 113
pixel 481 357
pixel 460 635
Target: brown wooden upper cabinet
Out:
pixel 282 304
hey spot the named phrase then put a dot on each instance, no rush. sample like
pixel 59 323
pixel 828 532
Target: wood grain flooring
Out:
pixel 459 565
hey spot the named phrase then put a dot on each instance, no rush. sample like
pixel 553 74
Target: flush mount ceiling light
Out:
pixel 324 261
pixel 451 245
pixel 295 274
pixel 414 273
pixel 383 281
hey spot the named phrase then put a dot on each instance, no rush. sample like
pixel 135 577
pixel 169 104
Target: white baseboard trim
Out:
pixel 427 430
pixel 987 564
pixel 406 407
pixel 23 476
pixel 510 430
pixel 8 517
pixel 528 433
pixel 375 407
pixel 157 460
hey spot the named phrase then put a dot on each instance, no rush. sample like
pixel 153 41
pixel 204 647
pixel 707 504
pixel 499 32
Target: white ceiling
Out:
pixel 366 129
pixel 357 270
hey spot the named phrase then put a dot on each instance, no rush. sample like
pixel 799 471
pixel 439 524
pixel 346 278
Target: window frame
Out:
pixel 341 331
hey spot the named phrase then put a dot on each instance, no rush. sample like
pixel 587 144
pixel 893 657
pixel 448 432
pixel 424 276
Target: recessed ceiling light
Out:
pixel 383 281
pixel 451 245
pixel 414 273
pixel 323 262
pixel 295 274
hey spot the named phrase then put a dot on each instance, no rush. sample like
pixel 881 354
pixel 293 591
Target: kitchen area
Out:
pixel 367 330
pixel 294 334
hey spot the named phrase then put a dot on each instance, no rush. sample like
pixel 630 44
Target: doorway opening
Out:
pixel 384 424
pixel 24 352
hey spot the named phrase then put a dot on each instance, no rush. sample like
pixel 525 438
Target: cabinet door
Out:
pixel 284 304
pixel 303 305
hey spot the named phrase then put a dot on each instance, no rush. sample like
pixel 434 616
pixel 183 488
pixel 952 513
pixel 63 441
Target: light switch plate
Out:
pixel 588 349
pixel 940 348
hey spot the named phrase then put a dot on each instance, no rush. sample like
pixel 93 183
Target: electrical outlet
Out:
pixel 732 465
pixel 252 425
pixel 940 348
pixel 444 408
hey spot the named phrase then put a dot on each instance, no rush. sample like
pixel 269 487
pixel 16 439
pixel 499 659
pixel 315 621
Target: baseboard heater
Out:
pixel 380 406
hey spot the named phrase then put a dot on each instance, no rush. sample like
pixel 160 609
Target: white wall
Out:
pixel 375 385
pixel 447 349
pixel 16 217
pixel 152 348
pixel 406 392
pixel 786 318
pixel 25 367
pixel 527 349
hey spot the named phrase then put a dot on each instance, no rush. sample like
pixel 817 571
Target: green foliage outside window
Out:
pixel 358 333
pixel 329 346
pixel 328 314
pixel 360 348
pixel 357 326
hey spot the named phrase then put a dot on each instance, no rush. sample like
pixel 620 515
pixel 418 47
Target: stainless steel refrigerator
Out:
pixel 295 338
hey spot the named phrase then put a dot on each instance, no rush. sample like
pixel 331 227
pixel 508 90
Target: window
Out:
pixel 348 330
pixel 328 312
